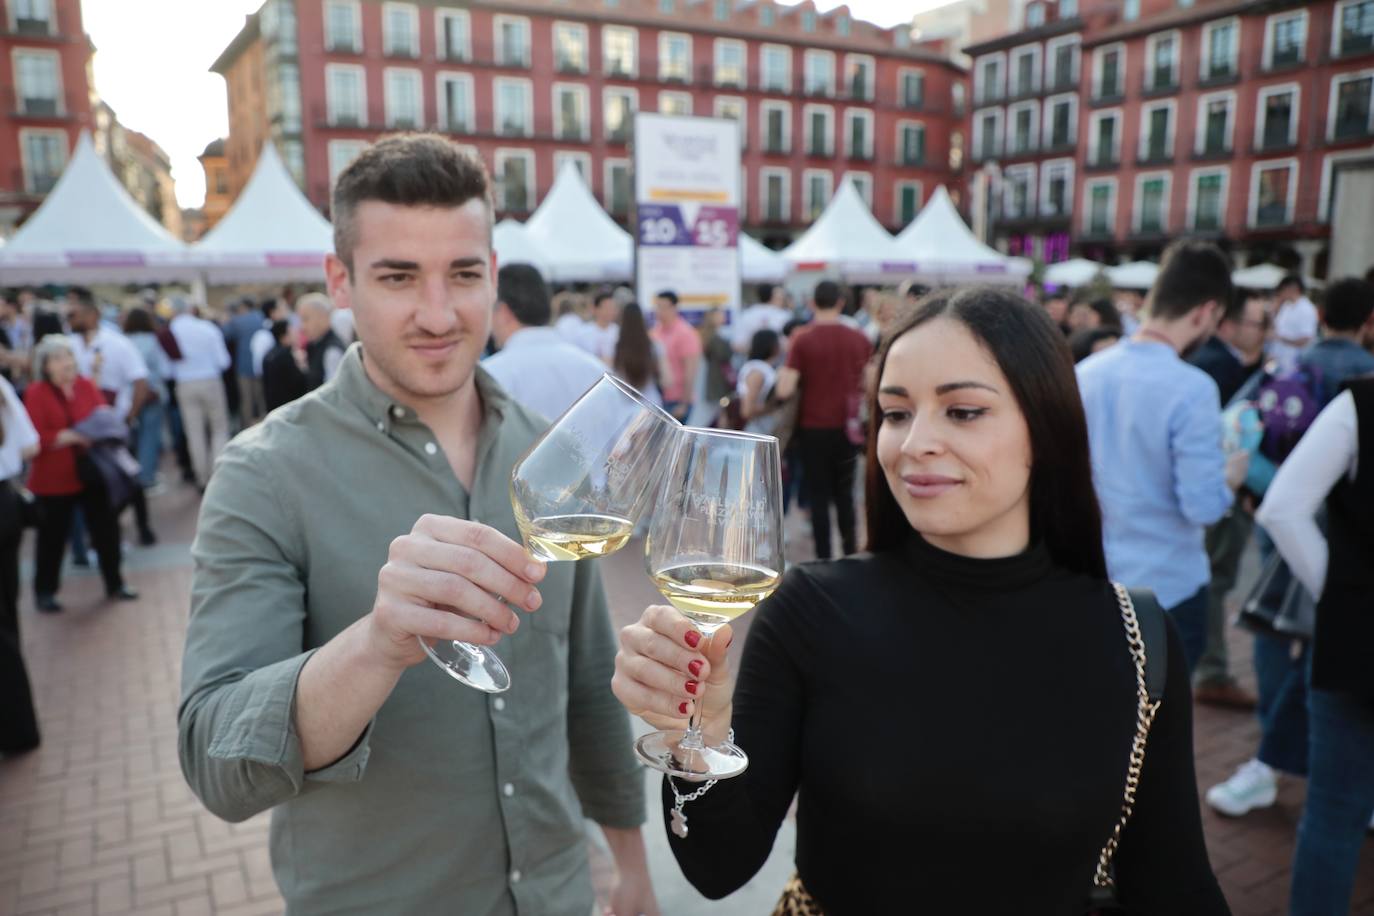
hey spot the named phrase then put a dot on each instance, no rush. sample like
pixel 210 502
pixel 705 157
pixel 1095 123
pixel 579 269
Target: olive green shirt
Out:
pixel 453 800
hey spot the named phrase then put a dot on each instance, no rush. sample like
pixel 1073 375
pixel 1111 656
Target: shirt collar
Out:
pixel 384 411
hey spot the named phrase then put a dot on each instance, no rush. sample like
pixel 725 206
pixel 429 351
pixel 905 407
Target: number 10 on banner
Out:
pixel 660 225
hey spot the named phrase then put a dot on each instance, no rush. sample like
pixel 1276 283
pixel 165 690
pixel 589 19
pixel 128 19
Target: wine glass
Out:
pixel 714 550
pixel 577 493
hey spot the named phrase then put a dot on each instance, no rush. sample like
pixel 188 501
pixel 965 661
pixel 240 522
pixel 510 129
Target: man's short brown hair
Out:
pixel 408 170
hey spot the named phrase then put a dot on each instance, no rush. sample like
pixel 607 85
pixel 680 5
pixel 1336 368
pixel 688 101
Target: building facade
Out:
pixel 529 84
pixel 215 164
pixel 1216 119
pixel 140 165
pixel 45 100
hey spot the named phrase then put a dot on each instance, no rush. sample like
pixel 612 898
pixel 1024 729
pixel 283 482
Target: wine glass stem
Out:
pixel 692 738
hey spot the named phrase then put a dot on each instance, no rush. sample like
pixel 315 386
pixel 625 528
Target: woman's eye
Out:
pixel 895 416
pixel 966 414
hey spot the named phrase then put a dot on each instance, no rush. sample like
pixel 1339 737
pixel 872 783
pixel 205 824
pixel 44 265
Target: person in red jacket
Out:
pixel 57 400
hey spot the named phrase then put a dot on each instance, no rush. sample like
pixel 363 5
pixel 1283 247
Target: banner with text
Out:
pixel 687 197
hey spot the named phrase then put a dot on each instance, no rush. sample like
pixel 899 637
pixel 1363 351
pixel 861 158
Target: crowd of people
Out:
pixel 1057 495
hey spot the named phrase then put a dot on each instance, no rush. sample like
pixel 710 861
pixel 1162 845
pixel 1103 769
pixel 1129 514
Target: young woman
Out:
pixel 18 443
pixel 956 708
pixel 756 379
pixel 148 427
pixel 639 359
pixel 57 400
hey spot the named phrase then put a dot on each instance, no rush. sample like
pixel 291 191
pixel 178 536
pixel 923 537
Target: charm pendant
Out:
pixel 679 824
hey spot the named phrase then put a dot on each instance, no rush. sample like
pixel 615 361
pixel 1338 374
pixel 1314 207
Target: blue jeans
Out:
pixel 1281 670
pixel 1190 616
pixel 1340 799
pixel 148 437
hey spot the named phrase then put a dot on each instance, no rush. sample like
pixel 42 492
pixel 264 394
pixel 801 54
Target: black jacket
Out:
pixel 282 379
pixel 1217 360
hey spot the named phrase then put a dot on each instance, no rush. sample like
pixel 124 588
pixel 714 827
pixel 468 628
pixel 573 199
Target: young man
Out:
pixel 394 788
pixel 767 314
pixel 1295 323
pixel 682 346
pixel 1154 423
pixel 535 364
pixel 826 361
pixel 200 387
pixel 602 333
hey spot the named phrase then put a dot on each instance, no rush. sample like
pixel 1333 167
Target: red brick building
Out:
pixel 1220 119
pixel 531 83
pixel 45 99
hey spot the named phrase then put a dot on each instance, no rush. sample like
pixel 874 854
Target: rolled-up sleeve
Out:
pixel 608 779
pixel 1199 461
pixel 244 651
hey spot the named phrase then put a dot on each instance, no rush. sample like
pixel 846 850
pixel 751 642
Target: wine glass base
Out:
pixel 476 666
pixel 661 751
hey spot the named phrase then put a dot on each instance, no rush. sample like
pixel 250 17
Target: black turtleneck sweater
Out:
pixel 956 733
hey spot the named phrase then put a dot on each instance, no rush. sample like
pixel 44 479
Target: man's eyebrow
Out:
pixel 394 264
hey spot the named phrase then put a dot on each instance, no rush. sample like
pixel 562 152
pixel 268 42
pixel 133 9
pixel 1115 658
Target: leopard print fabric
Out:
pixel 797 901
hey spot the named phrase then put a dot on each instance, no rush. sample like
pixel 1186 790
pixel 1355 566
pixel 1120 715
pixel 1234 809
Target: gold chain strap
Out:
pixel 1145 716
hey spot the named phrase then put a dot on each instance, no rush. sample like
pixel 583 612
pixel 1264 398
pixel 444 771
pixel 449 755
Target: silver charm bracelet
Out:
pixel 679 819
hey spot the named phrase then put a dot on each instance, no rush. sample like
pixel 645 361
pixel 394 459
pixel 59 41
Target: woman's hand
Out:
pixel 71 437
pixel 660 673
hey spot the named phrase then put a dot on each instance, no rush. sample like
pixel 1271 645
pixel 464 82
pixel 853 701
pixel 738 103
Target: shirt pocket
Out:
pixel 555 614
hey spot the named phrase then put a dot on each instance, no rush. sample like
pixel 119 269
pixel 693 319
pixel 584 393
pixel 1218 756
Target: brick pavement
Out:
pixel 99 821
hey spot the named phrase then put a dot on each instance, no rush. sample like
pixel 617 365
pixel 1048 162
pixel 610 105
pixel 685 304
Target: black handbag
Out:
pixel 1278 605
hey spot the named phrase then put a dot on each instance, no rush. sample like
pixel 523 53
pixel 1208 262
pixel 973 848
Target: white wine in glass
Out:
pixel 577 494
pixel 714 551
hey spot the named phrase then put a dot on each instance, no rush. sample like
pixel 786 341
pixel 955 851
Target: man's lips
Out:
pixel 434 347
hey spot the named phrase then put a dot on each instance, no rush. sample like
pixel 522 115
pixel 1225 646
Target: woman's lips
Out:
pixel 928 486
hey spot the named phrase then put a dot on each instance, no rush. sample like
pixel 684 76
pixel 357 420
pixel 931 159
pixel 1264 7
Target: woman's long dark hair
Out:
pixel 634 351
pixel 1032 354
pixel 139 321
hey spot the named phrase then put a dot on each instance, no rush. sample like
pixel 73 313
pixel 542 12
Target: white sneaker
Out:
pixel 1254 785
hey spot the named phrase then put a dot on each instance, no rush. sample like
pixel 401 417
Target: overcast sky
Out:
pixel 153 57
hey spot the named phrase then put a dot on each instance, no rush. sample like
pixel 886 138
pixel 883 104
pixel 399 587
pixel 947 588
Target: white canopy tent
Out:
pixel 513 246
pixel 759 263
pixel 577 239
pixel 1259 276
pixel 846 240
pixel 1133 275
pixel 272 234
pixel 89 230
pixel 946 251
pixel 1073 272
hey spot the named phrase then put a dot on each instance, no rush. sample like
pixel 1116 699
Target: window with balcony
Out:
pixel 858 131
pixel 45 156
pixel 988 82
pixel 400 30
pixel 987 135
pixel 913 89
pixel 1209 201
pixel 777 131
pixel 33 17
pixel 512 41
pixel 1354 27
pixel 1352 108
pixel 1105 140
pixel 775 65
pixel 341 156
pixel 908 202
pixel 675 103
pixel 863 183
pixel 1215 117
pixel 1278 118
pixel 911 144
pixel 455 103
pixel 1163 62
pixel 285 93
pixel 730 63
pixel 1068 9
pixel 737 110
pixel 958 95
pixel 817 187
pixel 453 35
pixel 808 21
pixel 1063 65
pixel 1157 132
pixel 1285 40
pixel 820 131
pixel 1130 10
pixel 766 17
pixel 1056 188
pixel 956 150
pixel 619 47
pixel 858 77
pixel 1220 50
pixel 1063 122
pixel 514 180
pixel 1022 129
pixel 571 112
pixel 775 202
pixel 617 186
pixel 39 82
pixel 674 57
pixel 571 46
pixel 1110 71
pixel 345 95
pixel 1152 200
pixel 1017 198
pixel 343 26
pixel 1100 215
pixel 1025 68
pixel 819 77
pixel 1271 194
pixel 618 110
pixel 514 107
pixel 405 101
pixel 1035 15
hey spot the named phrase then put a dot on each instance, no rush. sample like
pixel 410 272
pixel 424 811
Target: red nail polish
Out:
pixel 682 708
pixel 692 687
pixel 693 638
pixel 695 667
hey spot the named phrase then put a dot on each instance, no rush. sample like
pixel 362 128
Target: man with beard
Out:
pixel 1153 421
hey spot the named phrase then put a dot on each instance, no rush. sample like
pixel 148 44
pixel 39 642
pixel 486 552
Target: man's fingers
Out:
pixel 428 587
pixel 476 567
pixel 485 539
pixel 434 624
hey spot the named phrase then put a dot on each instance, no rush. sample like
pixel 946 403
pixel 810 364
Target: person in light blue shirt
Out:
pixel 1154 424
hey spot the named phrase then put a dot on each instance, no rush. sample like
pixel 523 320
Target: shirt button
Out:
pixel 398 412
pixel 431 448
pixel 498 704
pixel 508 790
pixel 381 427
pixel 515 876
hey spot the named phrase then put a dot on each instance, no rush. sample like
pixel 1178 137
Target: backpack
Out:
pixel 1287 405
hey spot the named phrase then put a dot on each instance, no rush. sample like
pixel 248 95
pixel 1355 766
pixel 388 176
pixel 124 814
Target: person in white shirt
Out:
pixel 768 314
pixel 200 387
pixel 262 340
pixel 106 356
pixel 602 333
pixel 1295 324
pixel 570 323
pixel 535 365
pixel 18 443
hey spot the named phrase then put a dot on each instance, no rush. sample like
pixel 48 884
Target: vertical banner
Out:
pixel 687 173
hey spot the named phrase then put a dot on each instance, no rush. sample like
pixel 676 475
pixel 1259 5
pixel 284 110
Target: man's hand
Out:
pixel 445 581
pixel 634 891
pixel 1237 466
pixel 71 437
